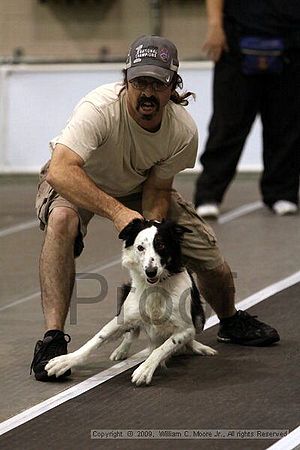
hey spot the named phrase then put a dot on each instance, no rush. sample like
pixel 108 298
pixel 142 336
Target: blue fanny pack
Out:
pixel 261 55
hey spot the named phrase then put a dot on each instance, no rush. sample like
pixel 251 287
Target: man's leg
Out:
pixel 57 275
pixel 202 256
pixel 217 287
pixel 57 266
pixel 236 327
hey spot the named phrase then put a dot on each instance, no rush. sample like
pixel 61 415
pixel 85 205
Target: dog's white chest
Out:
pixel 158 315
pixel 159 310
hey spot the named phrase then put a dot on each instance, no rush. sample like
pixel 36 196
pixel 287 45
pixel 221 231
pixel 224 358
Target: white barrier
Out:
pixel 36 101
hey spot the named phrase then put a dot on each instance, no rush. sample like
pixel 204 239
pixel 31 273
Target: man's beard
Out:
pixel 148 101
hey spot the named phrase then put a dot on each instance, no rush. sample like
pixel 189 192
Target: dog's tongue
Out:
pixel 152 280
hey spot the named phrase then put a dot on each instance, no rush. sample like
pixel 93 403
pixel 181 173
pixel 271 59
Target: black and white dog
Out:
pixel 162 300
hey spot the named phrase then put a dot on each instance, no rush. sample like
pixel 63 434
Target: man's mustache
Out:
pixel 148 100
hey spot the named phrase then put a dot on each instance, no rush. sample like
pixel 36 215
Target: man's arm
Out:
pixel 156 197
pixel 215 41
pixel 67 177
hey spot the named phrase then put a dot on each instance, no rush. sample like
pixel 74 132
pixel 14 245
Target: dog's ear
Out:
pixel 180 230
pixel 175 229
pixel 130 232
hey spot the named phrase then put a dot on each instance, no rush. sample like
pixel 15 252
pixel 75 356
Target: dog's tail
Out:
pixel 197 311
pixel 122 295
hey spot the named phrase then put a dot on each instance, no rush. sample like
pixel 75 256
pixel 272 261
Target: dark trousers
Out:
pixel 237 99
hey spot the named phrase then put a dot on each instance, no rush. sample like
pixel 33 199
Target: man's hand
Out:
pixel 124 216
pixel 215 42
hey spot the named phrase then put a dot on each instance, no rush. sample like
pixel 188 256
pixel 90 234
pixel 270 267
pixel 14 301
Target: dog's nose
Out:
pixel 151 272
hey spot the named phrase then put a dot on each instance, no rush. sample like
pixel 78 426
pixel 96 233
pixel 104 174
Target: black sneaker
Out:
pixel 244 329
pixel 55 343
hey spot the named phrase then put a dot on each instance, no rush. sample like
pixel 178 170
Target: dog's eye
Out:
pixel 160 246
pixel 140 248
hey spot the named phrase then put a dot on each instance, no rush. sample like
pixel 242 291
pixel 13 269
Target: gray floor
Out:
pixel 240 389
pixel 260 247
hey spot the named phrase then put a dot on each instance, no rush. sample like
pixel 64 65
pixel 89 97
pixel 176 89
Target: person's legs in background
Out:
pixel 235 105
pixel 280 114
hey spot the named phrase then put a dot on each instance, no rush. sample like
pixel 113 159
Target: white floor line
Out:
pixel 20 301
pixel 16 228
pixel 112 263
pixel 70 393
pixel 289 442
pixel 115 370
pixel 241 211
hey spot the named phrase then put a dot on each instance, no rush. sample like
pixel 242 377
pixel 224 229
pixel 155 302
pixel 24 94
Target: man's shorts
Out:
pixel 199 248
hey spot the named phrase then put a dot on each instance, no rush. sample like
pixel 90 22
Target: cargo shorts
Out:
pixel 199 248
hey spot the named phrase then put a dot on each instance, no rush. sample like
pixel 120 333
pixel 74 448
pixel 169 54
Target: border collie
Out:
pixel 162 299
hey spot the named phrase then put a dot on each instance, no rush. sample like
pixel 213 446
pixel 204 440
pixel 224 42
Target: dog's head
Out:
pixel 153 248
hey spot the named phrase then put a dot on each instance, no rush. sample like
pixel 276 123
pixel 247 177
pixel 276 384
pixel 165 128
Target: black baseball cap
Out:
pixel 152 56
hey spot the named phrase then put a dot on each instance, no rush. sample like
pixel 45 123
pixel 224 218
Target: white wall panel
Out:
pixel 36 101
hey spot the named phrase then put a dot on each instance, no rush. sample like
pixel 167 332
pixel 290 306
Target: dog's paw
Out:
pixel 143 374
pixel 119 353
pixel 201 349
pixel 59 365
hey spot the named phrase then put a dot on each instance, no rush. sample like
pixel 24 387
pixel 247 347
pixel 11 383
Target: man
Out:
pixel 256 47
pixel 117 158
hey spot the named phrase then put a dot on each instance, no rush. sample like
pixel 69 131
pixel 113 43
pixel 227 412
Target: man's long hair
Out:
pixel 179 99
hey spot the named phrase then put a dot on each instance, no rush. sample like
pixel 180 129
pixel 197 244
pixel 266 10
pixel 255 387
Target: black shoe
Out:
pixel 244 329
pixel 55 343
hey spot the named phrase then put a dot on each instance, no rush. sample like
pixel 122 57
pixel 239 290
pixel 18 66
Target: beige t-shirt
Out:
pixel 117 152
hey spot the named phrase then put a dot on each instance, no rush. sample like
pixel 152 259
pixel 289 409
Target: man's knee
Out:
pixel 220 276
pixel 63 222
pixel 223 270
